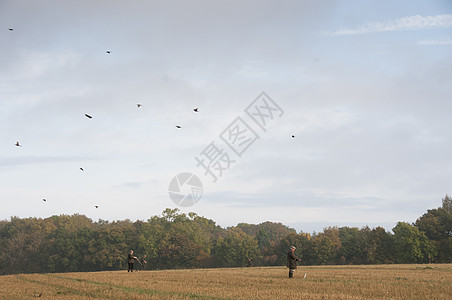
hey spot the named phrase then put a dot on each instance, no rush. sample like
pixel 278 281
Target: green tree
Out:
pixel 384 246
pixel 445 250
pixel 268 235
pixel 351 250
pixel 407 243
pixel 178 251
pixel 235 248
pixel 447 204
pixel 437 226
pixel 326 246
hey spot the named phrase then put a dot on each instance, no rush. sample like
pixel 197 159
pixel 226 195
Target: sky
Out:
pixel 363 86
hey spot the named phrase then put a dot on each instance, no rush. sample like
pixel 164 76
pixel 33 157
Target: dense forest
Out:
pixel 177 240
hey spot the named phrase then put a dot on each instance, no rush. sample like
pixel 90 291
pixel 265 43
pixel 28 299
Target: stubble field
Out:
pixel 321 282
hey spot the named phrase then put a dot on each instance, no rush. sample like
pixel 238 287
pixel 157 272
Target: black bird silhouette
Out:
pixel 108 51
pixel 138 105
pixel 88 116
pixel 293 136
pixel 96 206
pixel 82 169
pixel 195 109
pixel 17 144
pixel 44 200
pixel 177 126
pixel 10 29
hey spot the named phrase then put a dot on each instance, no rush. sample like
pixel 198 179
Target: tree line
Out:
pixel 177 240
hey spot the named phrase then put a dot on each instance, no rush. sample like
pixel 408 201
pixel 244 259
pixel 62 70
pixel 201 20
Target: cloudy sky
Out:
pixel 365 87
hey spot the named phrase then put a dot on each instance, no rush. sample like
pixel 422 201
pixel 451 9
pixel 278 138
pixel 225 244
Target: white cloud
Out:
pixel 416 22
pixel 437 42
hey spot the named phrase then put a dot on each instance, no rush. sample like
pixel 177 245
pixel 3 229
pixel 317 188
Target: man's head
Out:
pixel 292 248
pixel 131 251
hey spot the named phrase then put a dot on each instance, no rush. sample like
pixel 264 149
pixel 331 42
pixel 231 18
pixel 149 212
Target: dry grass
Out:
pixel 321 282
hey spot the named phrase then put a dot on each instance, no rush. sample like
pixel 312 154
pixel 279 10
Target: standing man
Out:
pixel 143 262
pixel 250 262
pixel 292 261
pixel 131 260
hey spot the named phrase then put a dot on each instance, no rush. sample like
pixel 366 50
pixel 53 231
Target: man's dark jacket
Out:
pixel 291 260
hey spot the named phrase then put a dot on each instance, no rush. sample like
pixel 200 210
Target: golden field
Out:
pixel 321 282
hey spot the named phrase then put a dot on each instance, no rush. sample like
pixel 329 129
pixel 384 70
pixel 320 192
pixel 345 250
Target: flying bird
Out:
pixel 88 116
pixel 195 109
pixel 108 51
pixel 10 29
pixel 138 105
pixel 17 144
pixel 82 169
pixel 96 206
pixel 293 136
pixel 44 200
pixel 177 126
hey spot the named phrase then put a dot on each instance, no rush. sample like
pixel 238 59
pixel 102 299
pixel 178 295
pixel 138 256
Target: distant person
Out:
pixel 143 262
pixel 131 260
pixel 292 261
pixel 250 261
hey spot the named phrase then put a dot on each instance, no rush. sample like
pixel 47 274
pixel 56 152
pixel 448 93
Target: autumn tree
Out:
pixel 235 248
pixel 268 235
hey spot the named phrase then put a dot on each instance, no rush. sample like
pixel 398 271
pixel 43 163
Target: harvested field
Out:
pixel 321 282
